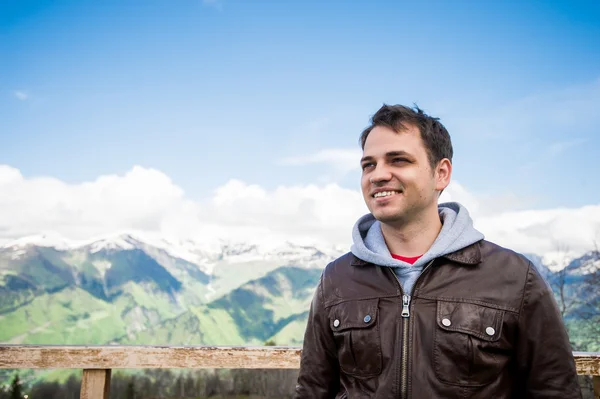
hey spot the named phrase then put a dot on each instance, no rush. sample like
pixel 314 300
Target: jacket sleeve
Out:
pixel 546 367
pixel 319 368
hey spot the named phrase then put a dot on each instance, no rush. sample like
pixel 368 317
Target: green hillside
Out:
pixel 251 314
pixel 293 332
pixel 74 316
pixel 198 326
pixel 141 294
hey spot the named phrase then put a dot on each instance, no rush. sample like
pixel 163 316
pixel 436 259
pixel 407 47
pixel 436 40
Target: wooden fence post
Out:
pixel 596 385
pixel 95 384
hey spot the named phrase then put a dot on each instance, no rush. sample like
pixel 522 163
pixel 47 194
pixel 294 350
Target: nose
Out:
pixel 380 174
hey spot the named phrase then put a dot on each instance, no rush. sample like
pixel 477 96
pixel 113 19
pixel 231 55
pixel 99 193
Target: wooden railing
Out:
pixel 98 361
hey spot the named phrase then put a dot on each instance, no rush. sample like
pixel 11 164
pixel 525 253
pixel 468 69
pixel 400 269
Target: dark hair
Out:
pixel 398 118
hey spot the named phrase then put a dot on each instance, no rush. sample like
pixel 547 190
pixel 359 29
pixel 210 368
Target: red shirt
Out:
pixel 405 259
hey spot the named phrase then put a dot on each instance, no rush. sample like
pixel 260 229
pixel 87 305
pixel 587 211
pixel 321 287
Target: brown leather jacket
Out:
pixel 480 323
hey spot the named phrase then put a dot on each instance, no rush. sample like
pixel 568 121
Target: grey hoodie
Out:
pixel 457 233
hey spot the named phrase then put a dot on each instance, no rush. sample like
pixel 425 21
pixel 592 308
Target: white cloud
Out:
pixel 147 200
pixel 21 95
pixel 326 212
pixel 545 231
pixel 136 200
pixel 572 230
pixel 341 159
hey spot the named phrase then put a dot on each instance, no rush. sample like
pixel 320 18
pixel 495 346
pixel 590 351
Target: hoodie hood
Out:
pixel 457 233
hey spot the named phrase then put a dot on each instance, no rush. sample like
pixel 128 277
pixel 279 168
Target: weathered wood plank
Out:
pixel 192 357
pixel 114 357
pixel 588 363
pixel 95 384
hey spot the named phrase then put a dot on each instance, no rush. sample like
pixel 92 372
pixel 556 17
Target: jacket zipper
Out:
pixel 405 324
pixel 405 314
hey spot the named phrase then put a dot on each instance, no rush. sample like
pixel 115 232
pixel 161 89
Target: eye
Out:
pixel 367 165
pixel 400 160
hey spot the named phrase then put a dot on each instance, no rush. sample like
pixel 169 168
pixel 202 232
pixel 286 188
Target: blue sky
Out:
pixel 207 91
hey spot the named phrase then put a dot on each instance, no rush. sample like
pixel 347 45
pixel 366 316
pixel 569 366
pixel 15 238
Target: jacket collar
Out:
pixel 470 255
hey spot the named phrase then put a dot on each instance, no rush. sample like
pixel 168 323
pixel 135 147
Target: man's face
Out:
pixel 397 181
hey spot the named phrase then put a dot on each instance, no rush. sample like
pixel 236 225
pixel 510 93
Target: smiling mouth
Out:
pixel 385 194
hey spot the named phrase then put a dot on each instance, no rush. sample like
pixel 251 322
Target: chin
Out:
pixel 388 217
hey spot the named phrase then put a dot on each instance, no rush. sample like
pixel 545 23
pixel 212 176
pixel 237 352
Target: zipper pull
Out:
pixel 405 303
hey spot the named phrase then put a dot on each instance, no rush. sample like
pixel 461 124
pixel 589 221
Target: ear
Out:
pixel 443 173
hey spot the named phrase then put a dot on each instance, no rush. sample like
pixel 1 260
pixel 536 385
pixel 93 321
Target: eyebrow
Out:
pixel 390 154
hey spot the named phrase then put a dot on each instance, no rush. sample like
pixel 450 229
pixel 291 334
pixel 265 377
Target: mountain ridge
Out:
pixel 148 296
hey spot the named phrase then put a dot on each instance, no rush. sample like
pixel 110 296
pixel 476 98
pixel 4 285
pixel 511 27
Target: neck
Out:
pixel 412 238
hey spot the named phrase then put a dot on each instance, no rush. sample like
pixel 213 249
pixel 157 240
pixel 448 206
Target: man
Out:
pixel 423 306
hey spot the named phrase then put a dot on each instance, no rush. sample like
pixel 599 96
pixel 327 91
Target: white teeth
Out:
pixel 385 194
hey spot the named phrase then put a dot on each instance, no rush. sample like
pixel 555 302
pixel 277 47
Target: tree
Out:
pixel 130 393
pixel 559 284
pixel 72 388
pixel 577 291
pixel 49 390
pixel 15 388
pixel 591 311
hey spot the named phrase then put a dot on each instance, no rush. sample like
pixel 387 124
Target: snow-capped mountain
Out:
pixel 206 255
pixel 132 281
pixel 158 290
pixel 48 240
pixel 586 264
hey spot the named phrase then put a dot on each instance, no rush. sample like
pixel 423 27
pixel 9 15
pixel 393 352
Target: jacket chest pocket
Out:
pixel 356 331
pixel 469 349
